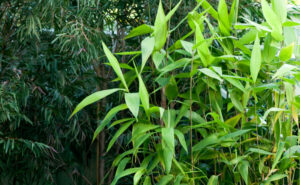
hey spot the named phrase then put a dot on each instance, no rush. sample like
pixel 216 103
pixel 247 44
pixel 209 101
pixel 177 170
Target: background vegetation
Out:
pixel 207 95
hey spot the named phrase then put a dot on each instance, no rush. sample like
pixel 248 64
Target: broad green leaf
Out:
pixel 209 8
pixel 93 98
pixel 109 116
pixel 260 151
pixel 273 109
pixel 181 139
pixel 143 93
pixel 175 65
pixel 210 73
pixel 165 180
pixel 158 59
pixel 160 28
pixel 235 83
pixel 123 174
pixel 168 147
pixel 292 151
pixel 283 70
pixel 213 180
pixel 121 156
pixel 188 46
pixel 223 18
pixel 133 102
pixel 233 121
pixel 279 7
pixel 243 169
pixel 236 102
pixel 147 181
pixel 234 134
pixel 114 64
pixel 171 89
pixel 234 12
pixel 278 155
pixel 286 52
pixel 210 140
pixel 203 50
pixel 255 62
pixel 118 133
pixel 178 179
pixel 275 177
pixel 273 20
pixel 140 30
pixel 147 49
pixel 137 176
pixel 141 129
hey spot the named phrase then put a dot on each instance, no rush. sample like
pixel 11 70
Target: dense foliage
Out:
pixel 207 93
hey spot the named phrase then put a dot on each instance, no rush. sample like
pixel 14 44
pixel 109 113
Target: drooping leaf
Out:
pixel 280 8
pixel 140 30
pixel 147 49
pixel 133 102
pixel 286 52
pixel 160 28
pixel 283 70
pixel 93 98
pixel 243 169
pixel 118 133
pixel 210 73
pixel 114 64
pixel 109 116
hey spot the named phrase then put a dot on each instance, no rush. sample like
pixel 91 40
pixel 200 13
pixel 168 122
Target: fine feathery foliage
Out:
pixel 218 106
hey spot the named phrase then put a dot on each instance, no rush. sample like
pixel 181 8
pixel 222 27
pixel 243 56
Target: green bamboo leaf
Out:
pixel 286 52
pixel 207 141
pixel 255 62
pixel 279 7
pixel 278 155
pixel 118 133
pixel 188 46
pixel 123 174
pixel 243 169
pixel 133 102
pixel 234 134
pixel 236 102
pixel 236 83
pixel 209 8
pixel 160 28
pixel 273 20
pixel 168 147
pixel 203 50
pixel 283 70
pixel 137 176
pixel 275 177
pixel 147 181
pixel 109 116
pixel 210 73
pixel 213 180
pixel 93 98
pixel 233 121
pixel 181 138
pixel 115 65
pixel 140 30
pixel 147 49
pixel 273 109
pixel 165 180
pixel 234 12
pixel 143 93
pixel 260 151
pixel 171 13
pixel 223 18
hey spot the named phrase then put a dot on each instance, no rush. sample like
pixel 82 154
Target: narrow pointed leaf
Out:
pixel 114 64
pixel 93 98
pixel 133 102
pixel 255 62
